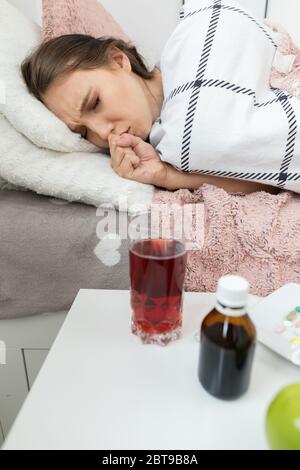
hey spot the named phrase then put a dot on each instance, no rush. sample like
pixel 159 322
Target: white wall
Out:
pixel 148 22
pixel 257 7
pixel 31 8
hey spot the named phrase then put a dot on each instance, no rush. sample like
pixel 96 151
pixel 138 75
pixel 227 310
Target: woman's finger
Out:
pixel 118 155
pixel 129 163
pixel 112 142
pixel 126 169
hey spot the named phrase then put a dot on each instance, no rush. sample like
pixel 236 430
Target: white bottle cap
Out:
pixel 232 291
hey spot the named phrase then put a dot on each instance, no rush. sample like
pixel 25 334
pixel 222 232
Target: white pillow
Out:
pixel 77 176
pixel 18 37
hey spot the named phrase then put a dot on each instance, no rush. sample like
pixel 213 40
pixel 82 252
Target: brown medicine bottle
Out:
pixel 228 339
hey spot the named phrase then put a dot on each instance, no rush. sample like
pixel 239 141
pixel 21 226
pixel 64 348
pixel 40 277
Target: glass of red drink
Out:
pixel 157 271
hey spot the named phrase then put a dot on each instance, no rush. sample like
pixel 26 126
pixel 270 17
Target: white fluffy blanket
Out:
pixel 76 176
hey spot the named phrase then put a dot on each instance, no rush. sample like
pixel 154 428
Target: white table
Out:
pixel 101 388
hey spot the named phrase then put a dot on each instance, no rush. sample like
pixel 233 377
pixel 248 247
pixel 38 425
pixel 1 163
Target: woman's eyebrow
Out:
pixel 82 107
pixel 85 101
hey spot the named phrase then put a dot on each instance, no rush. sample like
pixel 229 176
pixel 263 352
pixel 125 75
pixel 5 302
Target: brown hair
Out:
pixel 69 52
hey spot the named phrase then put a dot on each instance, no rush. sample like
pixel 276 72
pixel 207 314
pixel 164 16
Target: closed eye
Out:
pixel 84 136
pixel 96 104
pixel 93 109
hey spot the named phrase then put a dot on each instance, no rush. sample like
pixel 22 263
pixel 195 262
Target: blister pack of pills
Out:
pixel 277 321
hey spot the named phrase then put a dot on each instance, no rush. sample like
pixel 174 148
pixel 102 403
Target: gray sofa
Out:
pixel 47 254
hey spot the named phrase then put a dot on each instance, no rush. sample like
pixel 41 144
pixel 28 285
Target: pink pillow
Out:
pixel 78 16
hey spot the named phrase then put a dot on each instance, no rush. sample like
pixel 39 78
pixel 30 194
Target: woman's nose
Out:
pixel 102 129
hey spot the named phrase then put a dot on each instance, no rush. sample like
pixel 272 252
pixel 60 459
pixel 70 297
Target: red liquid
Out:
pixel 157 285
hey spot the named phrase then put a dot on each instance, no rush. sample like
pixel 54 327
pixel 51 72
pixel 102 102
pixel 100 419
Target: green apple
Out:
pixel 283 419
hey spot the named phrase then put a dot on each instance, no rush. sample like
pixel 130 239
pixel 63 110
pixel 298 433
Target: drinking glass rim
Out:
pixel 132 243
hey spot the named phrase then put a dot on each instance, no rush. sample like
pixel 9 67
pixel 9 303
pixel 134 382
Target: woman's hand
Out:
pixel 134 159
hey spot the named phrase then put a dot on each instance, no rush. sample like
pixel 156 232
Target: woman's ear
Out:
pixel 119 59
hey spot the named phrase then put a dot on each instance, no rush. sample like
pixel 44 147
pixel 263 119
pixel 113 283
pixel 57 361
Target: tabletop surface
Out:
pixel 101 388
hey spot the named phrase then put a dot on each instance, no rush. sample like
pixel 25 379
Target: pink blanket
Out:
pixel 285 72
pixel 254 235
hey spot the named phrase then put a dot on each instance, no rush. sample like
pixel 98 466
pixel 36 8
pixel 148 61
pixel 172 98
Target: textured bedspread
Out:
pixel 254 235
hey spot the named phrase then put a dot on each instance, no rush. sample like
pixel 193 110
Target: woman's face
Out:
pixel 105 100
